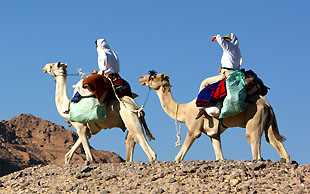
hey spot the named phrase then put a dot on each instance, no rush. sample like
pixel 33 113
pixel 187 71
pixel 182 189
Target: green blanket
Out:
pixel 87 110
pixel 234 102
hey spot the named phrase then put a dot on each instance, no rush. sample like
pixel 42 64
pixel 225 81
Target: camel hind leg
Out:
pixel 254 139
pixel 278 145
pixel 273 136
pixel 254 132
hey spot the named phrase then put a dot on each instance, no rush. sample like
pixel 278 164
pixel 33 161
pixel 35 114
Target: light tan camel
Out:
pixel 121 115
pixel 257 118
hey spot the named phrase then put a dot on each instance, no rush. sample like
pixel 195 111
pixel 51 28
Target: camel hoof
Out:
pixel 87 163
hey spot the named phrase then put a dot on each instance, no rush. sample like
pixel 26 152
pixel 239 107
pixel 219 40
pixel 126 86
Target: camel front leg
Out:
pixel 134 127
pixel 188 142
pixel 216 143
pixel 84 135
pixel 130 146
pixel 72 150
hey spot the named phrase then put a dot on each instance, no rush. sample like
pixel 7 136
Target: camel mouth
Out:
pixel 142 80
pixel 44 70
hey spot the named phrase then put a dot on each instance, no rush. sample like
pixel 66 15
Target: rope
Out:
pixel 178 128
pixel 115 92
pixel 139 111
pixel 147 97
pixel 73 74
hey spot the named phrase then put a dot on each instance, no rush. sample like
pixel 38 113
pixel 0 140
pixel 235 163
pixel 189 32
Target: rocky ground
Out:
pixel 162 177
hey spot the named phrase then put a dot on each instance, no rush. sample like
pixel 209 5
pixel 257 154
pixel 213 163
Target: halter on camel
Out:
pixel 153 73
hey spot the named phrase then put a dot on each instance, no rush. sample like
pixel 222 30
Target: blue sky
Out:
pixel 170 37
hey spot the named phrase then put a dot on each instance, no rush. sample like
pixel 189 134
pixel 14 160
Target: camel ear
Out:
pixel 66 65
pixel 58 64
pixel 166 76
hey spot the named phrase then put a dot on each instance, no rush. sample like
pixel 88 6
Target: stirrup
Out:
pixel 66 112
pixel 200 113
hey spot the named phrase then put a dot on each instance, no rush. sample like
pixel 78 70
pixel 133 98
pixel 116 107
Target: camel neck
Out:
pixel 170 106
pixel 61 96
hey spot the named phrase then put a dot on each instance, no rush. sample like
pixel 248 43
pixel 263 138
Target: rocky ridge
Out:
pixel 162 177
pixel 26 141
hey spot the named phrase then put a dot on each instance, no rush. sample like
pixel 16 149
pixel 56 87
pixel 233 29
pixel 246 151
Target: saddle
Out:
pixel 98 85
pixel 254 85
pixel 235 94
pixel 101 86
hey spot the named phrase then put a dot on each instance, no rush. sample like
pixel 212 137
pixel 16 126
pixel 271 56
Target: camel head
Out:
pixel 155 81
pixel 55 69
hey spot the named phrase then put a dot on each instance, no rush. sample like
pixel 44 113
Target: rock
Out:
pixel 86 169
pixel 29 141
pixel 172 180
pixel 257 166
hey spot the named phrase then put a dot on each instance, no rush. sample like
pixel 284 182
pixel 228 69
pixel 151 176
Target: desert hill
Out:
pixel 26 141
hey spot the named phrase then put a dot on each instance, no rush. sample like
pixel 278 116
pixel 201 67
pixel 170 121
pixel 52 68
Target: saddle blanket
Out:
pixel 211 94
pixel 98 85
pixel 121 86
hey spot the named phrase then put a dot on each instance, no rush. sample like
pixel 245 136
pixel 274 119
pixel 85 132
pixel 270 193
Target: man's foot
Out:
pixel 200 113
pixel 67 112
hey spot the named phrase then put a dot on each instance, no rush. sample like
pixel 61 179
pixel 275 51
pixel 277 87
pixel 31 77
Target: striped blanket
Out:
pixel 211 94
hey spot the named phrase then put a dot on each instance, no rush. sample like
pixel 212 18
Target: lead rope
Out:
pixel 147 97
pixel 178 128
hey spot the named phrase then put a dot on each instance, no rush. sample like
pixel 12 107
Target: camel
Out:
pixel 257 118
pixel 121 115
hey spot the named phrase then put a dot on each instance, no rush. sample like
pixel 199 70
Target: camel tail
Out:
pixel 147 131
pixel 274 126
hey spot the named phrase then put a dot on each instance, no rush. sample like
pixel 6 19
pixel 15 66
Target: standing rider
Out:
pixel 231 60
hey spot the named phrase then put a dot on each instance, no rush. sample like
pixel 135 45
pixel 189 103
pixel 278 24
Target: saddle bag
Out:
pixel 86 110
pixel 253 84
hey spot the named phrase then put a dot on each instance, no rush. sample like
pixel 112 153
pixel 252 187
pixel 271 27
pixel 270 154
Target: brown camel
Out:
pixel 257 118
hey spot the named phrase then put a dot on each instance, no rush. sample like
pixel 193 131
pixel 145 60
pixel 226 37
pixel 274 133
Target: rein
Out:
pixel 71 74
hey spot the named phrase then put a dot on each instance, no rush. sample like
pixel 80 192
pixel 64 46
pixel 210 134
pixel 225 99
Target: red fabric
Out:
pixel 220 91
pixel 98 84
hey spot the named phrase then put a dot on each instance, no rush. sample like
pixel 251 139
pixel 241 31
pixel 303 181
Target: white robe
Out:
pixel 108 62
pixel 231 57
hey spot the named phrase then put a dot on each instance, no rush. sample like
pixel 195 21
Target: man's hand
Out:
pixel 213 38
pixel 220 69
pixel 94 72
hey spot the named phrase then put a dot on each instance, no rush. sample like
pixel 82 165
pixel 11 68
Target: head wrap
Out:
pixel 102 44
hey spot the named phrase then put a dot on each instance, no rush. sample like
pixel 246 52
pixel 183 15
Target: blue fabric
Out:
pixel 76 98
pixel 204 98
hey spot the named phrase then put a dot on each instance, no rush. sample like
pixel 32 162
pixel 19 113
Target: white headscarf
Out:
pixel 102 44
